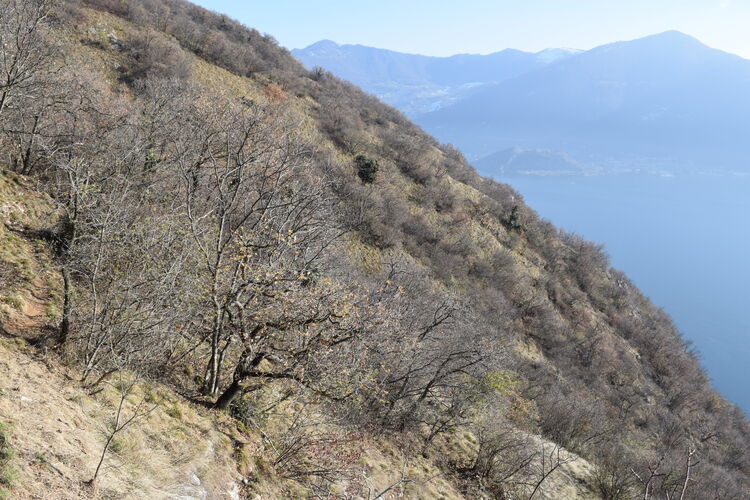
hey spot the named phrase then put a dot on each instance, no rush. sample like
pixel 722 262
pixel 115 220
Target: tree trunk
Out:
pixel 245 367
pixel 211 382
pixel 3 97
pixel 65 325
pixel 26 160
pixel 228 395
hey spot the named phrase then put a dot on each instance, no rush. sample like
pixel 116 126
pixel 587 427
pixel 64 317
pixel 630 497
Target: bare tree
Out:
pixel 120 248
pixel 654 472
pixel 550 458
pixel 26 51
pixel 689 465
pixel 259 219
pixel 126 414
pixel 427 369
pixel 504 456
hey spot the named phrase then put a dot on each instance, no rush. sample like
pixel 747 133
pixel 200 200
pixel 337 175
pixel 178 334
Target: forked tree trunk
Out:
pixel 245 366
pixel 231 392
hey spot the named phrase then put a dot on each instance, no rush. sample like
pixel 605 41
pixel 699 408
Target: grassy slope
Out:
pixel 24 267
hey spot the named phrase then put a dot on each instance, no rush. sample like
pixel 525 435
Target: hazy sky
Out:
pixel 445 27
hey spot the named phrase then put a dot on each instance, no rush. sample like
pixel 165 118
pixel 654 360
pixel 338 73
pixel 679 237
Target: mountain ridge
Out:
pixel 646 97
pixel 417 83
pixel 331 44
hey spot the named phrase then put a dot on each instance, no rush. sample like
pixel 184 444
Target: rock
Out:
pixel 188 492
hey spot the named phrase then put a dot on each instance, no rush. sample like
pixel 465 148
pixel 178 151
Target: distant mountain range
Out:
pixel 665 102
pixel 417 84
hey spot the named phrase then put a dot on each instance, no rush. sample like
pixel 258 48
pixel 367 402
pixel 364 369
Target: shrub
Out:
pixel 513 221
pixel 155 58
pixel 613 480
pixel 5 451
pixel 367 168
pixel 7 476
pixel 175 412
pixel 118 445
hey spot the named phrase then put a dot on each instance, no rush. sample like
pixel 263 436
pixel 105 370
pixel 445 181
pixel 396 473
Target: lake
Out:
pixel 684 240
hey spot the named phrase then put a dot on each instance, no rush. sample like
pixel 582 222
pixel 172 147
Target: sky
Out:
pixel 447 27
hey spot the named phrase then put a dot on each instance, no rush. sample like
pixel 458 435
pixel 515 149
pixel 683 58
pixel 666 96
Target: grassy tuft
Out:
pixel 13 301
pixel 8 474
pixel 118 445
pixel 175 412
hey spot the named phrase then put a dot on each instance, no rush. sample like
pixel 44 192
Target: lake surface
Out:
pixel 683 240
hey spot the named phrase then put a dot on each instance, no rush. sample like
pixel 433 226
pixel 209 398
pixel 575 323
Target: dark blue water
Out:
pixel 684 240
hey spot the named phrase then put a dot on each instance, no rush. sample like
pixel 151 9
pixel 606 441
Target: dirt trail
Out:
pixel 32 320
pixel 30 317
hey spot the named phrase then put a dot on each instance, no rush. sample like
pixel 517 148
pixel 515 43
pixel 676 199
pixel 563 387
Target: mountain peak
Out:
pixel 551 55
pixel 673 35
pixel 673 47
pixel 322 44
pixel 671 38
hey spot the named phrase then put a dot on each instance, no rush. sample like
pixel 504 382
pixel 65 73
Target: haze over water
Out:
pixel 683 240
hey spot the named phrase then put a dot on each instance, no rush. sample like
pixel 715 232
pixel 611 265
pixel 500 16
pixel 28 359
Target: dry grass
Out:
pixel 59 432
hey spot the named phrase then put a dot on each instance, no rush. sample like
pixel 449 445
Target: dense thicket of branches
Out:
pixel 216 243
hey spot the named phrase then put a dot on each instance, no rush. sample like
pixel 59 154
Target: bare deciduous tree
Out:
pixel 26 51
pixel 126 414
pixel 550 458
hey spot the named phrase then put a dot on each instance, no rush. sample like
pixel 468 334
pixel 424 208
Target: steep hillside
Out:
pixel 292 264
pixel 54 430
